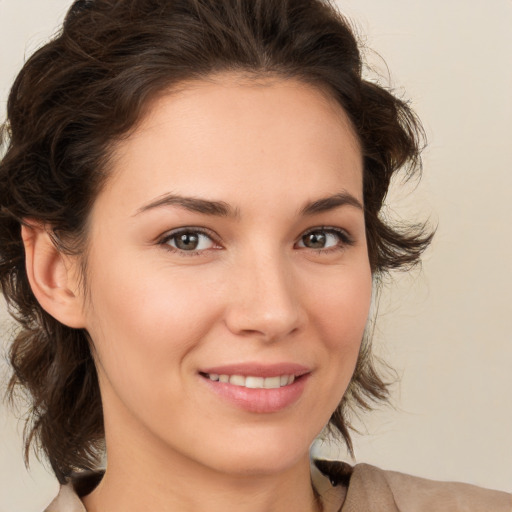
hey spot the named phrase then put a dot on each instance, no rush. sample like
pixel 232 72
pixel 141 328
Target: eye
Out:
pixel 192 240
pixel 325 238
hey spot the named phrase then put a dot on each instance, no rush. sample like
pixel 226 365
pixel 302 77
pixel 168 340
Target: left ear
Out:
pixel 52 276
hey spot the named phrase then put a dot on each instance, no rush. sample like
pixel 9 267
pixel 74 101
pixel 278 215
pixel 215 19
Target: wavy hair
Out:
pixel 86 89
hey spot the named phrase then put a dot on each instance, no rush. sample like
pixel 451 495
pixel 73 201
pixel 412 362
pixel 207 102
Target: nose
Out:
pixel 264 299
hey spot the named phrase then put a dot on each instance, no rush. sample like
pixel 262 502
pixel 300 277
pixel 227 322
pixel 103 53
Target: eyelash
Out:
pixel 344 237
pixel 194 230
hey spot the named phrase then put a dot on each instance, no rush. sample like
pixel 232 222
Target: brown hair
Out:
pixel 87 88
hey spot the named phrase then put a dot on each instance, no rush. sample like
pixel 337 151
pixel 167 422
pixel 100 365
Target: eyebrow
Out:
pixel 330 203
pixel 223 209
pixel 193 204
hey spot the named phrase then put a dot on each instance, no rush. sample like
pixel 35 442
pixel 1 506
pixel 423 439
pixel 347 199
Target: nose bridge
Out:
pixel 264 301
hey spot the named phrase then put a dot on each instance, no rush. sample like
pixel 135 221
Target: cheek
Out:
pixel 341 315
pixel 340 308
pixel 144 327
pixel 338 314
pixel 146 318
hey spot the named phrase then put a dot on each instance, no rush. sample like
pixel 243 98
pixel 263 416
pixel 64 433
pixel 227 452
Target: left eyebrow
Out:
pixel 330 203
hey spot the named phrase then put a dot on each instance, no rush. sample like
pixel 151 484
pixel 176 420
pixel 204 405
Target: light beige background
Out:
pixel 447 330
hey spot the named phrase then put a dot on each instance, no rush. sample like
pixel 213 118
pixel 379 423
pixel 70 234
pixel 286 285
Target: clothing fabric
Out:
pixel 343 488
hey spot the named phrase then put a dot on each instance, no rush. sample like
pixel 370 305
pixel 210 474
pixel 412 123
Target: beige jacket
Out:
pixel 362 488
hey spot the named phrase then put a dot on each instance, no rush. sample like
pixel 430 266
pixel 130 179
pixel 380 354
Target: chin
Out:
pixel 262 455
pixel 261 465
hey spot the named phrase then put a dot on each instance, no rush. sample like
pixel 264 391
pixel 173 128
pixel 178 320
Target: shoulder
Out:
pixel 372 489
pixel 78 484
pixel 413 494
pixel 66 501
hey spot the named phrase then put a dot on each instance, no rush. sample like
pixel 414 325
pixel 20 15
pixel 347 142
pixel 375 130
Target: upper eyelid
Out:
pixel 188 229
pixel 211 233
pixel 325 228
pixel 333 229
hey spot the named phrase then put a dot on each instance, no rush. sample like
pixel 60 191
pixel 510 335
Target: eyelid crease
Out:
pixel 187 229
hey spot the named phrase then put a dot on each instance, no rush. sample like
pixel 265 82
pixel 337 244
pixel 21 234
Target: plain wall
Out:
pixel 446 329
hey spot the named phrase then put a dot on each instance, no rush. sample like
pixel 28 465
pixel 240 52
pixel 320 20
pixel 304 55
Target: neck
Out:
pixel 179 488
pixel 144 477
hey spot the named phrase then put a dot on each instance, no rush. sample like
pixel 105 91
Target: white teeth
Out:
pixel 237 380
pixel 272 383
pixel 254 382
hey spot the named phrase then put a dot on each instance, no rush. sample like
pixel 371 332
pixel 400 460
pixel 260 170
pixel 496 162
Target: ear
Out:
pixel 52 276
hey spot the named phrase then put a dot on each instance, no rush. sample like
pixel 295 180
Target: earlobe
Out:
pixel 51 276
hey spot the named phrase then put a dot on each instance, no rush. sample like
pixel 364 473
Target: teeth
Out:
pixel 254 382
pixel 237 380
pixel 272 382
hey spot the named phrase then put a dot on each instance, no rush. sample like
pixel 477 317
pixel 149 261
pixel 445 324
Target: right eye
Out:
pixel 192 241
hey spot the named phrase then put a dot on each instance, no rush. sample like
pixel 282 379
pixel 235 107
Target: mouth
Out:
pixel 257 388
pixel 252 381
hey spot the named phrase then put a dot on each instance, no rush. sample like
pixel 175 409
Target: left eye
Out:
pixel 189 241
pixel 322 239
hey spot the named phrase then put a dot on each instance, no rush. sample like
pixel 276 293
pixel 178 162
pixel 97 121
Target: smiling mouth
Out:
pixel 257 388
pixel 253 382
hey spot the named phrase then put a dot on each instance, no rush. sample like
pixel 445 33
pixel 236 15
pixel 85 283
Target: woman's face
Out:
pixel 229 243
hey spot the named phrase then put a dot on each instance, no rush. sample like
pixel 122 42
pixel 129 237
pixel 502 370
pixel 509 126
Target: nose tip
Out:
pixel 265 304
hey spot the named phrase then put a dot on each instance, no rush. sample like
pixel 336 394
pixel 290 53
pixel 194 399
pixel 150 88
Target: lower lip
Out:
pixel 259 400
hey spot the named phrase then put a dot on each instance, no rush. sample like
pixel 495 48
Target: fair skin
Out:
pixel 268 280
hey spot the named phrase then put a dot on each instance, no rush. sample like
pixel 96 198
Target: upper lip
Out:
pixel 258 369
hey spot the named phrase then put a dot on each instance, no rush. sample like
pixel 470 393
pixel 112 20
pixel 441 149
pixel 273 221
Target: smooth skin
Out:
pixel 258 277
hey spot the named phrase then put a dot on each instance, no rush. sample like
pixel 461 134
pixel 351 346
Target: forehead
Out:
pixel 234 134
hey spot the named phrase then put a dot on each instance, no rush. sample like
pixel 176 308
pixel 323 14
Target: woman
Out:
pixel 198 186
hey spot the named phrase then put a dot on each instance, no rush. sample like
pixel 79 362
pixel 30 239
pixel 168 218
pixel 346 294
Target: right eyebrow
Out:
pixel 194 204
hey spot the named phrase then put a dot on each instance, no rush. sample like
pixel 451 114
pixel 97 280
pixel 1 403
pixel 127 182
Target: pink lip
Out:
pixel 259 369
pixel 259 400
